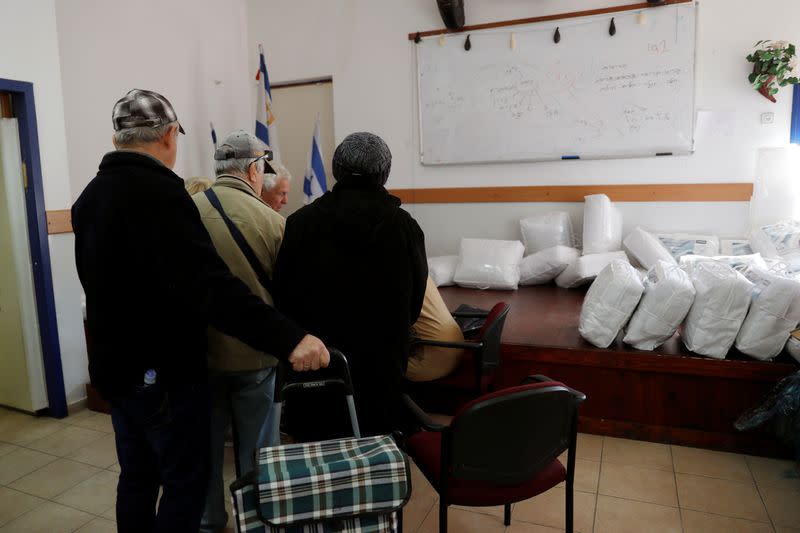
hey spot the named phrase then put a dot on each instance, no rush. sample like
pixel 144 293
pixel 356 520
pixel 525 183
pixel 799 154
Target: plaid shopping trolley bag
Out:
pixel 345 485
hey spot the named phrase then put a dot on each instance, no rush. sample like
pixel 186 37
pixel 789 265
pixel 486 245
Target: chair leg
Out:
pixel 507 514
pixel 570 507
pixel 442 517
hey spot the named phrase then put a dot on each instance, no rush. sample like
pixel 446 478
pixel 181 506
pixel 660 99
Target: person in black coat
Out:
pixel 352 270
pixel 153 284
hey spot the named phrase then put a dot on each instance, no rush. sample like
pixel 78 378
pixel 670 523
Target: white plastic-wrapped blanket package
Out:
pixel 774 313
pixel 680 244
pixel 544 231
pixel 443 269
pixel 793 345
pixel 722 297
pixel 545 265
pixel 668 296
pixel 646 249
pixel 609 303
pixel 602 225
pixel 781 240
pixel 489 264
pixel 737 262
pixel 735 247
pixel 586 268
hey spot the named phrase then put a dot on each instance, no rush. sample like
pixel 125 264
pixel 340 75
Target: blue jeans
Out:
pixel 244 400
pixel 162 441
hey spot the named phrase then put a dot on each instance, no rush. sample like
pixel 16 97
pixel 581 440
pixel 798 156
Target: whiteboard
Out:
pixel 589 96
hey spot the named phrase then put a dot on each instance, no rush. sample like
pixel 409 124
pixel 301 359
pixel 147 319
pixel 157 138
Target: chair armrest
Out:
pixel 421 416
pixel 470 314
pixel 446 344
pixel 541 379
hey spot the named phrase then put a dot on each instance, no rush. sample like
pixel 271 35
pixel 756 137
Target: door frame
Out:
pixel 23 105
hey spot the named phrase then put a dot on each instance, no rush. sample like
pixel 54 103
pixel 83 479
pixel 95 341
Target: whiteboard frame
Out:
pixel 689 152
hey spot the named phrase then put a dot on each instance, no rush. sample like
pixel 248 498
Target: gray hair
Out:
pixel 235 167
pixel 141 135
pixel 271 180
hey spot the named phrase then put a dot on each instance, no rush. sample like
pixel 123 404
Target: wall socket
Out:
pixel 767 118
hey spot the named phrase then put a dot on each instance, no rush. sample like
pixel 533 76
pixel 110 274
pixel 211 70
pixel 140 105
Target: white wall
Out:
pixel 179 48
pixel 29 42
pixel 363 45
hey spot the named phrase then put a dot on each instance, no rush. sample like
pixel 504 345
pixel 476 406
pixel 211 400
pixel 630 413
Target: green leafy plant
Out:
pixel 774 66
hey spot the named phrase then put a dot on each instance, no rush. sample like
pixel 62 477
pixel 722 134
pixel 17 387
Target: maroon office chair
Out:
pixel 501 448
pixel 476 372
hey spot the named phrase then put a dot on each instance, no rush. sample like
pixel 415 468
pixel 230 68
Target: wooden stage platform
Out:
pixel 670 395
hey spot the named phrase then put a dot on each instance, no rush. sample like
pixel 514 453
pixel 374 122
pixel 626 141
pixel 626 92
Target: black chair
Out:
pixel 501 448
pixel 475 374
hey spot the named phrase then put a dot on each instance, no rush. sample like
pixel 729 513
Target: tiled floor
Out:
pixel 60 476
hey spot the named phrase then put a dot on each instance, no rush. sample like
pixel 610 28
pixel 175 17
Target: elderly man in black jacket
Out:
pixel 352 270
pixel 153 284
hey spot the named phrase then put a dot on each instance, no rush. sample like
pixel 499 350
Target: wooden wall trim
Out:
pixel 59 221
pixel 695 192
pixel 559 16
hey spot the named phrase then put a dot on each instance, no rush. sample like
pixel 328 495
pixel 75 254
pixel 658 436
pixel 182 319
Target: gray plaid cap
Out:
pixel 242 145
pixel 143 109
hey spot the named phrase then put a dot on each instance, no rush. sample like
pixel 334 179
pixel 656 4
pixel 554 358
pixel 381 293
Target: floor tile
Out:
pixel 99 525
pixel 31 429
pixel 463 522
pixel 548 509
pixel 14 503
pixel 527 527
pixel 73 418
pixel 21 462
pixel 115 468
pixel 722 497
pixel 781 529
pixel 783 506
pixel 637 453
pixel 95 495
pixel 587 475
pixel 111 514
pixel 423 500
pixel 696 522
pixel 776 473
pixel 49 518
pixel 97 422
pixel 710 463
pixel 615 515
pixel 54 478
pixel 589 447
pixel 635 483
pixel 6 448
pixel 101 453
pixel 66 440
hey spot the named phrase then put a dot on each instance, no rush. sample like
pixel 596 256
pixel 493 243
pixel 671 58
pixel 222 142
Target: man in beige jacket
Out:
pixel 242 379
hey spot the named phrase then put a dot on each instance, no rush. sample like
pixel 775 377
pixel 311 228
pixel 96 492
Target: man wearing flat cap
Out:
pixel 153 283
pixel 241 378
pixel 352 270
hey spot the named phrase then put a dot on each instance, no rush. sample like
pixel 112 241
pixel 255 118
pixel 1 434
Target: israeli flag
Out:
pixel 315 183
pixel 266 126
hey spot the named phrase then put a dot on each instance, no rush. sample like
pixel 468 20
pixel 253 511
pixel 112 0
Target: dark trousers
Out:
pixel 162 442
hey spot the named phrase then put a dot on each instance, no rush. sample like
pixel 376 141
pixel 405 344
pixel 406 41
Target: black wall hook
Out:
pixel 417 38
pixel 467 44
pixel 612 29
pixel 557 36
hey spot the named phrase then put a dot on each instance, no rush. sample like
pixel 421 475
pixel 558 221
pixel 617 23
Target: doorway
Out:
pixel 29 347
pixel 296 107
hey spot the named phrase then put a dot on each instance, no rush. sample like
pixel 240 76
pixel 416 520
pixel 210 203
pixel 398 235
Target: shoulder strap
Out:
pixel 248 252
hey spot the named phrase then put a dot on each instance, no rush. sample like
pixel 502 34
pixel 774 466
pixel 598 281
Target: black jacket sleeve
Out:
pixel 224 299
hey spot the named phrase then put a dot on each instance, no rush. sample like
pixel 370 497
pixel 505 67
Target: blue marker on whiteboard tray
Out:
pixel 565 157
